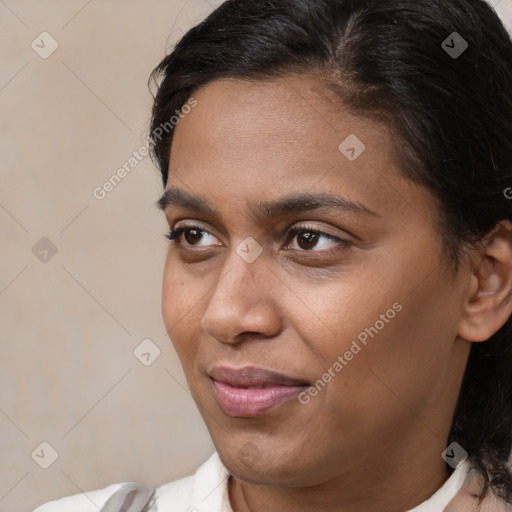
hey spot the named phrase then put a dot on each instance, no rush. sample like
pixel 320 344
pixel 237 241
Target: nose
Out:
pixel 243 302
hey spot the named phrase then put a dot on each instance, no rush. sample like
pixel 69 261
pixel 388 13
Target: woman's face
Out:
pixel 356 299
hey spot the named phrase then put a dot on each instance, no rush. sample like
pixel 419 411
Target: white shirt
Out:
pixel 207 491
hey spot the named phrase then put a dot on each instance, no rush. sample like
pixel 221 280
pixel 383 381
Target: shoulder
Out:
pixel 208 486
pixel 85 502
pixel 207 489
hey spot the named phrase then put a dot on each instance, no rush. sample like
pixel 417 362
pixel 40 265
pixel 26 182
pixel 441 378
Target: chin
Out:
pixel 263 465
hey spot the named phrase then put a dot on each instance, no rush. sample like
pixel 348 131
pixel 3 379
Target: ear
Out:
pixel 488 300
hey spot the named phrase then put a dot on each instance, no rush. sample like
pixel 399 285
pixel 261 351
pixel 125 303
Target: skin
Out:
pixel 372 438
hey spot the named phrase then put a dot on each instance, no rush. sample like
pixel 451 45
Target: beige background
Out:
pixel 69 325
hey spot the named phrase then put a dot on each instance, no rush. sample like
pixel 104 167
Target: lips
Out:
pixel 251 391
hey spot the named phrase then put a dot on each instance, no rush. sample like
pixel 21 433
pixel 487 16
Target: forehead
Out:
pixel 297 116
pixel 296 113
pixel 270 138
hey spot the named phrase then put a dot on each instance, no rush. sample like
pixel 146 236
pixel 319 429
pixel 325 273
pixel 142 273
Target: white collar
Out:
pixel 211 488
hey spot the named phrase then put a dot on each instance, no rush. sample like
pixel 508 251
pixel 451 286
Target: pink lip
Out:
pixel 230 387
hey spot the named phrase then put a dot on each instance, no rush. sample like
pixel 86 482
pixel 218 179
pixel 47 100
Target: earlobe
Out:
pixel 488 300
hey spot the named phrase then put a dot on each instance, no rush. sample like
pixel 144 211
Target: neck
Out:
pixel 397 483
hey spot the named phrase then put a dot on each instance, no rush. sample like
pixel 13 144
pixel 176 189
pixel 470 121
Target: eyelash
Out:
pixel 175 234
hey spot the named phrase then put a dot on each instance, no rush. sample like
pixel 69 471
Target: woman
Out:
pixel 338 284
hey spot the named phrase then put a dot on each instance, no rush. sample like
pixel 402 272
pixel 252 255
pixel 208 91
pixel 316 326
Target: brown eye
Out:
pixel 306 238
pixel 190 236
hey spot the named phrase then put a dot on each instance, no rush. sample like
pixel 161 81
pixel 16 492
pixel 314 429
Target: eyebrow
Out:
pixel 296 203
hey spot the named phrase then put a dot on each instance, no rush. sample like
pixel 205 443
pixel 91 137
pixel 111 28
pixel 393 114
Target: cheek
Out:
pixel 181 303
pixel 351 308
pixel 395 345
